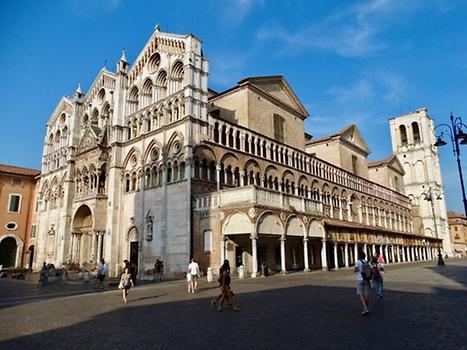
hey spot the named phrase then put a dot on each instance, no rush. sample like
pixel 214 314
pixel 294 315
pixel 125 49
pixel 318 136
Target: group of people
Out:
pixel 226 293
pixel 369 274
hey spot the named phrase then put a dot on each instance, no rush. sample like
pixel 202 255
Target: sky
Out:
pixel 348 61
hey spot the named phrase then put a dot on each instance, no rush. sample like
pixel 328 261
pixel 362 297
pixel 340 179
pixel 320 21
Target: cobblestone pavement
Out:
pixel 424 308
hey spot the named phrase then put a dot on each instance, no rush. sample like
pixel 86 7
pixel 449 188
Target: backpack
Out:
pixel 376 273
pixel 367 272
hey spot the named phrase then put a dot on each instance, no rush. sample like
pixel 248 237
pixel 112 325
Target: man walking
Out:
pixel 101 271
pixel 193 270
pixel 363 274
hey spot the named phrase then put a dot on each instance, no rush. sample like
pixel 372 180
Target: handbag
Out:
pixel 188 277
pixel 120 285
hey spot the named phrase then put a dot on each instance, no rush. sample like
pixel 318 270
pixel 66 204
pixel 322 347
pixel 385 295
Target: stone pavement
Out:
pixel 424 308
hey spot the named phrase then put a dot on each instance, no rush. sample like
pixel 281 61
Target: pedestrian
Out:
pixel 378 282
pixel 226 290
pixel 380 259
pixel 192 276
pixel 126 282
pixel 101 271
pixel 133 271
pixel 363 275
pixel 44 275
pixel 157 270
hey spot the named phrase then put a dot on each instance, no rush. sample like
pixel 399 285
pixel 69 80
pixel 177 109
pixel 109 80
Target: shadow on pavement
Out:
pixel 302 317
pixel 456 273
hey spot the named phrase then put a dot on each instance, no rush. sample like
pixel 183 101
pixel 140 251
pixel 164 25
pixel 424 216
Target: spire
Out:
pixel 123 58
pixel 78 90
pixel 157 28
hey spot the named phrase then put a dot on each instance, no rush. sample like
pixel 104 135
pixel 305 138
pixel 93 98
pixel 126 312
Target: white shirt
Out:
pixel 102 268
pixel 193 268
pixel 359 267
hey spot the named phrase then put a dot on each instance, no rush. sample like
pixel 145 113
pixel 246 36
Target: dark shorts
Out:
pixel 100 278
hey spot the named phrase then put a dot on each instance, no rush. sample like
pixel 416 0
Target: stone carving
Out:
pixel 252 213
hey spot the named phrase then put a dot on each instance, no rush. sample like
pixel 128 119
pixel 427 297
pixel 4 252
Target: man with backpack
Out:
pixel 364 274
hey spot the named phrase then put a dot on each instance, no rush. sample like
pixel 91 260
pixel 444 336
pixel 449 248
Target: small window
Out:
pixel 14 203
pixel 279 128
pixel 355 165
pixel 37 205
pixel 11 226
pixel 207 241
pixel 33 231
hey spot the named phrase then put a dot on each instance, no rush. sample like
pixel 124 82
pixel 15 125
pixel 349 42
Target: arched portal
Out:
pixel 83 239
pixel 133 249
pixel 8 248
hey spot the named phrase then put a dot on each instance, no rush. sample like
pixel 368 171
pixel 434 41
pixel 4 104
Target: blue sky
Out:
pixel 348 61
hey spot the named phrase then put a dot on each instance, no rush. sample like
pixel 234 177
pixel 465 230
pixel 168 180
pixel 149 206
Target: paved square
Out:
pixel 424 308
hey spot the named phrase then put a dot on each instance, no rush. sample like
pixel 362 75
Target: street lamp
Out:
pixel 429 196
pixel 458 137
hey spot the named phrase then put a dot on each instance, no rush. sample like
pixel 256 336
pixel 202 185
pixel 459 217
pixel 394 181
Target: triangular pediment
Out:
pixel 394 163
pixel 277 87
pixel 352 135
pixel 64 105
pixel 88 140
pixel 105 79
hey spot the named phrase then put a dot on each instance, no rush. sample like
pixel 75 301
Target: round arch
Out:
pixel 270 224
pixel 11 250
pixel 237 223
pixel 316 229
pixel 295 227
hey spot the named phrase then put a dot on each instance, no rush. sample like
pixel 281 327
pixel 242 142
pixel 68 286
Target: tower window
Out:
pixel 416 132
pixel 403 134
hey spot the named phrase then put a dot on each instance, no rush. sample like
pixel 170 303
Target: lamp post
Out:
pixel 428 196
pixel 458 137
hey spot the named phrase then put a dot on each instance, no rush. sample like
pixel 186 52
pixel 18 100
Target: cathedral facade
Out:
pixel 152 164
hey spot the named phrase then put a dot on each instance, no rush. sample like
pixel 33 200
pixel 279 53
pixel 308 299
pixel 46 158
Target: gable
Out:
pixel 278 88
pixel 353 136
pixel 65 105
pixel 396 165
pixel 88 140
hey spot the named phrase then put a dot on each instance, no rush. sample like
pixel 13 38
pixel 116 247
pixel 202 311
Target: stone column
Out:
pixel 398 250
pixel 365 249
pixel 254 253
pixel 218 182
pixel 386 253
pixel 412 253
pixel 324 255
pixel 93 246
pixel 404 259
pixel 283 268
pixel 373 249
pixel 305 254
pixel 242 178
pixel 346 254
pixel 393 256
pixel 336 261
pixel 99 247
pixel 355 252
pixel 222 240
pixel 70 250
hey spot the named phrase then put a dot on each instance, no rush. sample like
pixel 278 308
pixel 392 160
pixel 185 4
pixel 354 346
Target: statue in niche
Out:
pixel 149 226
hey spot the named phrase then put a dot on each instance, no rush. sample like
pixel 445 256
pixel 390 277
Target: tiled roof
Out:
pixel 11 169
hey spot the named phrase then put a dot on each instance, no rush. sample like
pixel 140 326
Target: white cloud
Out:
pixel 235 11
pixel 354 31
pixel 360 91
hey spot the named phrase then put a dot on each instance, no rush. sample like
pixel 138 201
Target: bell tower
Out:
pixel 413 143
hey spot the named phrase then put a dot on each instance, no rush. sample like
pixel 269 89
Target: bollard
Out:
pixel 241 272
pixel 209 274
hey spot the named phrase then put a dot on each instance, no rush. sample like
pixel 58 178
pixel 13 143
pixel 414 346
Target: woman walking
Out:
pixel 226 291
pixel 125 284
pixel 378 282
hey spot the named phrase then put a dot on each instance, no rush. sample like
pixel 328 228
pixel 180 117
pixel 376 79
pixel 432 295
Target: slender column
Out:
pixel 404 259
pixel 254 263
pixel 412 251
pixel 346 254
pixel 393 256
pixel 99 247
pixel 373 249
pixel 305 254
pixel 218 182
pixel 93 246
pixel 71 252
pixel 355 253
pixel 336 261
pixel 365 249
pixel 223 239
pixel 242 178
pixel 398 249
pixel 386 254
pixel 324 255
pixel 283 269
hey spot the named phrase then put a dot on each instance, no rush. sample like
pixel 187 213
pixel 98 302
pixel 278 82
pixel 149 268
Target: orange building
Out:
pixel 17 215
pixel 458 230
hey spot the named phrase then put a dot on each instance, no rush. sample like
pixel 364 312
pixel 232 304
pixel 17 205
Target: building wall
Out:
pixel 24 186
pixel 458 231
